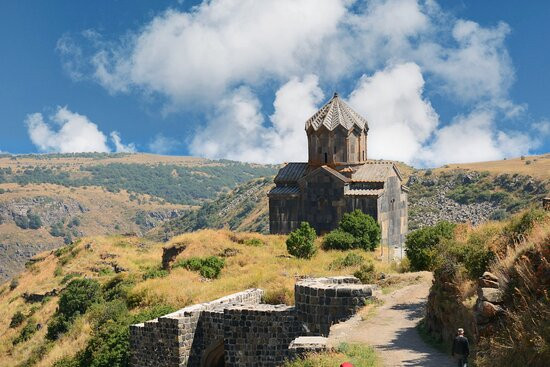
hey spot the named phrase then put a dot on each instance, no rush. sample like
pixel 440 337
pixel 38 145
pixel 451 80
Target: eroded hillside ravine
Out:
pixel 391 329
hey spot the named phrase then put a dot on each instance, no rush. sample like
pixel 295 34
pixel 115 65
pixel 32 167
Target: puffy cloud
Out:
pixel 392 101
pixel 479 67
pixel 119 147
pixel 69 132
pixel 219 44
pixel 474 138
pixel 237 130
pixel 162 144
pixel 220 52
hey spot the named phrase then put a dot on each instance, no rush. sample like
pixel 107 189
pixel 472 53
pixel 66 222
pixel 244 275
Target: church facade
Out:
pixel 338 178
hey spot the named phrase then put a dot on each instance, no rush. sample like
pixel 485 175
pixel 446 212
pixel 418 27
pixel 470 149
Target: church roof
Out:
pixel 291 173
pixel 375 171
pixel 284 190
pixel 336 113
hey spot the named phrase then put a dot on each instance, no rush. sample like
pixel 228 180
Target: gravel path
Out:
pixel 391 329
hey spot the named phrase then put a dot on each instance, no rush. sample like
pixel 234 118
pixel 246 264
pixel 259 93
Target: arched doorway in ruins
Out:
pixel 214 356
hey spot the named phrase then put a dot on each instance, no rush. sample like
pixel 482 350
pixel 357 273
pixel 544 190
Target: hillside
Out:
pixel 48 200
pixel 165 196
pixel 134 287
pixel 493 281
pixel 458 193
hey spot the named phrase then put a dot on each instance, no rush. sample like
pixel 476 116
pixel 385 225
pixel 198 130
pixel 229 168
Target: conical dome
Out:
pixel 334 113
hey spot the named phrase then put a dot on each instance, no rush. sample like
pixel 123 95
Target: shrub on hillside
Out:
pixel 366 273
pixel 34 221
pixel 78 296
pixel 301 242
pixel 208 267
pixel 26 333
pixel 17 319
pixel 349 260
pixel 421 245
pixel 75 300
pixel 21 222
pixel 338 240
pixel 355 230
pixel 520 225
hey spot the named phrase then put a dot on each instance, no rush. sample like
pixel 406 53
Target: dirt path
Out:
pixel 391 329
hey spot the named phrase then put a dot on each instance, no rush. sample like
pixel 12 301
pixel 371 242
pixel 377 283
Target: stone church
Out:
pixel 338 178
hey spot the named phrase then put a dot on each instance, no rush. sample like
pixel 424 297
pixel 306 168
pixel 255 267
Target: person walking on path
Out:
pixel 461 348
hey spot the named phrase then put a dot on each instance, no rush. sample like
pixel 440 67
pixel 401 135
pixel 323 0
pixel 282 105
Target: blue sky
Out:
pixel 439 82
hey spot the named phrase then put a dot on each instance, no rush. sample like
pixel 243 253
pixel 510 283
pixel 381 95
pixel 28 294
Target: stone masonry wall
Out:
pixel 259 335
pixel 240 331
pixel 322 302
pixel 170 340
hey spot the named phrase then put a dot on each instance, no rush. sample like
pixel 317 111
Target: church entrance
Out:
pixel 214 356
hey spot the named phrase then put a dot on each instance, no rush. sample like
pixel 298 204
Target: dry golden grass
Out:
pixel 539 166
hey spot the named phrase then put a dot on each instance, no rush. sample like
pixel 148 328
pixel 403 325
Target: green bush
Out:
pixel 26 333
pixel 363 227
pixel 421 245
pixel 355 230
pixel 57 230
pixel 17 319
pixel 22 222
pixel 118 287
pixel 254 242
pixel 155 272
pixel 520 225
pixel 59 324
pixel 338 240
pixel 349 260
pixel 366 273
pixel 301 242
pixel 14 283
pixel 78 296
pixel 34 221
pixel 208 267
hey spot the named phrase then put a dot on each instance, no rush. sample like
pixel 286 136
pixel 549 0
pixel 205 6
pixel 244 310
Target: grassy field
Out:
pixel 537 166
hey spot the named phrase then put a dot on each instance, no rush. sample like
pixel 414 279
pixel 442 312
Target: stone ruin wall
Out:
pixel 250 333
pixel 179 338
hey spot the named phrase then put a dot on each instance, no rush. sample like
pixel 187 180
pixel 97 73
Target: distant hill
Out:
pixel 159 196
pixel 459 193
pixel 51 199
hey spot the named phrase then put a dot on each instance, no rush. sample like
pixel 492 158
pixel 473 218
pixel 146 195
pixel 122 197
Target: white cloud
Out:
pixel 400 119
pixel 69 132
pixel 479 67
pixel 163 144
pixel 214 57
pixel 474 138
pixel 119 146
pixel 220 44
pixel 542 128
pixel 237 131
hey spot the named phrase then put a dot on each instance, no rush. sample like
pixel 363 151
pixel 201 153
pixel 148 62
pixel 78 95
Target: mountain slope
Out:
pixel 48 200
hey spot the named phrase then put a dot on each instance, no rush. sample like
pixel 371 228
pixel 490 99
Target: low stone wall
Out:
pixel 259 335
pixel 322 302
pixel 239 331
pixel 170 339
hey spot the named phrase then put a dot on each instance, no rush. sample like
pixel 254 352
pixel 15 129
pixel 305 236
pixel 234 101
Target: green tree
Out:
pixel 338 240
pixel 421 245
pixel 355 230
pixel 34 221
pixel 301 242
pixel 78 296
pixel 363 227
